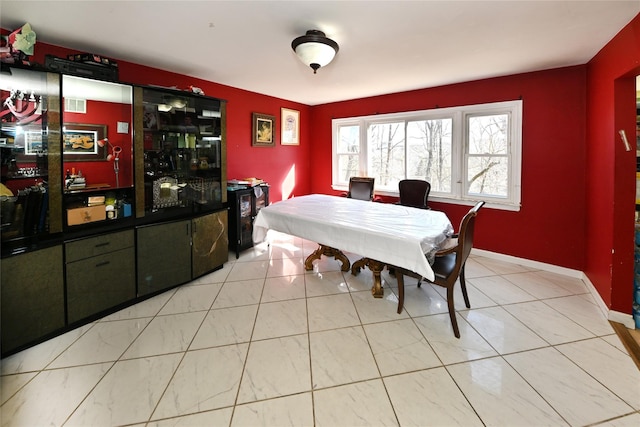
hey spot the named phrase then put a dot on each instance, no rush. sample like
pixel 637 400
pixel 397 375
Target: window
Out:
pixel 467 153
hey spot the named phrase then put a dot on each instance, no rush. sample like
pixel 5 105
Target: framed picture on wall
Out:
pixel 80 142
pixel 290 127
pixel 263 130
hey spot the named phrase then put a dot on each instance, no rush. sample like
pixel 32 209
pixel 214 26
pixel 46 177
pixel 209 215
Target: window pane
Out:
pixel 347 167
pixel 429 152
pixel 488 176
pixel 488 134
pixel 386 153
pixel 348 139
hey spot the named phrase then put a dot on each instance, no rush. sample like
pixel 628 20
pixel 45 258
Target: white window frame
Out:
pixel 459 150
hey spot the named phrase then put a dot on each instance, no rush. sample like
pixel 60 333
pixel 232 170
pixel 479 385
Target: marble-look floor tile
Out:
pixel 631 420
pixel 429 397
pixel 326 264
pixel 146 308
pixel 477 299
pixel 219 417
pixel 38 357
pixel 585 313
pixel 276 367
pixel 573 393
pixel 233 294
pixel 423 300
pixel 285 267
pixel 399 347
pixel 325 283
pixel 10 384
pixel 474 268
pixel 166 334
pixel 610 366
pixel 341 356
pixel 283 288
pixel 372 310
pixel 51 396
pixel 128 393
pixel 226 326
pixel 249 270
pixel 362 281
pixel 548 323
pixel 537 285
pixel 501 290
pixel 291 411
pixel 191 298
pixel 359 404
pixel 500 396
pixel 438 331
pixel 105 342
pixel 281 318
pixel 331 311
pixel 502 330
pixel 572 284
pixel 206 379
pixel 500 266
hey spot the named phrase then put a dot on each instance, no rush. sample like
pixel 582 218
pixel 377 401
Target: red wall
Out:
pixel 550 227
pixel 285 168
pixel 609 250
pixel 102 172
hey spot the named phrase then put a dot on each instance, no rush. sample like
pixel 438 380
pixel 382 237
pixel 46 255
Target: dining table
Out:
pixel 383 234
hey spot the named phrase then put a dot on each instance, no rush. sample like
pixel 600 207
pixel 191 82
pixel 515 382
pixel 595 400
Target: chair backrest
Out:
pixel 414 192
pixel 361 188
pixel 465 234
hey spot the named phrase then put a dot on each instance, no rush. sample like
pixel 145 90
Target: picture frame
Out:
pixel 289 127
pixel 80 142
pixel 263 130
pixel 32 142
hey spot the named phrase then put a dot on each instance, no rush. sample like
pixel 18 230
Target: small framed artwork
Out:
pixel 80 142
pixel 263 130
pixel 290 125
pixel 32 142
pixel 150 118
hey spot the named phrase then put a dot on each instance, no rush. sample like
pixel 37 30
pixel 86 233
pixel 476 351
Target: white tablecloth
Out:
pixel 394 234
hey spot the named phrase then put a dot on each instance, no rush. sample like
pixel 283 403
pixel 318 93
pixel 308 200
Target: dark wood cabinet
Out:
pixel 210 243
pixel 244 205
pixel 100 274
pixel 32 297
pixel 164 256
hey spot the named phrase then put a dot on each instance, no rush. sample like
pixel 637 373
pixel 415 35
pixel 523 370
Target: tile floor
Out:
pixel 261 342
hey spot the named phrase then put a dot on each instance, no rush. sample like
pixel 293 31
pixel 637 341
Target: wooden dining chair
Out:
pixel 414 193
pixel 448 266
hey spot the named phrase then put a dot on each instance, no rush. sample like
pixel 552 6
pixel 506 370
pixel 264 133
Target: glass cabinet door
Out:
pixel 182 140
pixel 30 156
pixel 97 150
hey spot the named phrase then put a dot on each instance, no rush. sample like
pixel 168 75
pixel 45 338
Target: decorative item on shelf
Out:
pixel 314 49
pixel 113 156
pixel 18 46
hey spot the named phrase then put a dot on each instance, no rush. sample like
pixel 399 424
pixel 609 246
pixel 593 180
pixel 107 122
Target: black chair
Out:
pixel 414 192
pixel 361 188
pixel 449 266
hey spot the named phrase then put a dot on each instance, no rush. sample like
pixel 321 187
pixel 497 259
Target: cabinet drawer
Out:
pixel 99 283
pixel 98 245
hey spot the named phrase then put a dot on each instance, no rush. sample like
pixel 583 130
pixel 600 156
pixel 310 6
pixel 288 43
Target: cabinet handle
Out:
pixel 103 244
pixel 102 264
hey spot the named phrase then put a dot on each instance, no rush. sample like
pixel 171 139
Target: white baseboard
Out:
pixel 614 316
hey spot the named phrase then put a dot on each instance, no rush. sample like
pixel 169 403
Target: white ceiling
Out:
pixel 385 46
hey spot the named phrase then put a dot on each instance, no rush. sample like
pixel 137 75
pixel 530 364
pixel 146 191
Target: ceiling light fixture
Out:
pixel 315 49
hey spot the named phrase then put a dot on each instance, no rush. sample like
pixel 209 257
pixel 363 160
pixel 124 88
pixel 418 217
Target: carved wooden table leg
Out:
pixel 327 251
pixel 376 268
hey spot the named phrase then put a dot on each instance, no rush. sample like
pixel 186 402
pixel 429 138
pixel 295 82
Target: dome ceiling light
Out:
pixel 315 49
